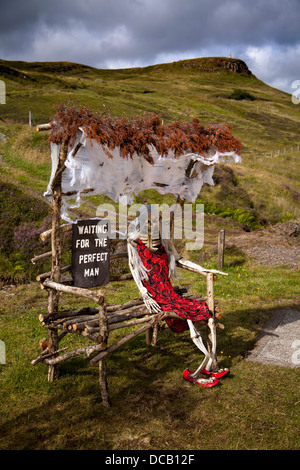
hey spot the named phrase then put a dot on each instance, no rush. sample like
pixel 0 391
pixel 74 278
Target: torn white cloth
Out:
pixel 92 169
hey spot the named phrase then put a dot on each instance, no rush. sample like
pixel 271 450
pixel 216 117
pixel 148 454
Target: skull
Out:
pixel 150 227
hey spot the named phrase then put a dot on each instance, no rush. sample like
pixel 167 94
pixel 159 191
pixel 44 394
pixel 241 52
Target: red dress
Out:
pixel 162 291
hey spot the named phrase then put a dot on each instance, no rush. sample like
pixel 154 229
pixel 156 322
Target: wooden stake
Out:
pixel 149 335
pixel 210 292
pixel 103 330
pixel 221 248
pixel 155 334
pixel 53 296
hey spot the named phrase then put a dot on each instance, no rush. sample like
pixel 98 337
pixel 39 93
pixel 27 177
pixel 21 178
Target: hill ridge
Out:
pixel 205 64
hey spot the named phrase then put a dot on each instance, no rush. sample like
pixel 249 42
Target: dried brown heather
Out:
pixel 138 135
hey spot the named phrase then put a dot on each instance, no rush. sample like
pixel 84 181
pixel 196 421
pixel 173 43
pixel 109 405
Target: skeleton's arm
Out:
pixel 150 303
pixel 189 264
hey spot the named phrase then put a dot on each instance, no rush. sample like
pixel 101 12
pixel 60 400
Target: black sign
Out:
pixel 90 253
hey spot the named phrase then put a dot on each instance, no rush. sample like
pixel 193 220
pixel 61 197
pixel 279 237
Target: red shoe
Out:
pixel 206 383
pixel 217 375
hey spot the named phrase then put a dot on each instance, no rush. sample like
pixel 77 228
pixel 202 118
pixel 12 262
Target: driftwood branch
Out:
pixel 42 276
pixel 124 340
pixel 72 193
pixel 62 229
pixel 86 350
pixel 140 320
pixel 130 303
pixel 63 314
pixel 75 322
pixel 95 337
pixel 44 354
pixel 48 254
pixel 96 296
pixel 43 127
pixel 126 324
pixel 186 264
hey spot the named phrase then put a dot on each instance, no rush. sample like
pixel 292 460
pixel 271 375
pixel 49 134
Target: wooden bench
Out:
pixel 96 323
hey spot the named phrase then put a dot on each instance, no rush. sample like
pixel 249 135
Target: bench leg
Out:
pixel 197 340
pixel 212 363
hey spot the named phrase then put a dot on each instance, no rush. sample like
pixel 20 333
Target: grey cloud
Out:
pixel 139 32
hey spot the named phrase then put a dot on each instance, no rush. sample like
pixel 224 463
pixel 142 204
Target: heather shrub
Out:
pixel 241 95
pixel 16 208
pixel 27 240
pixel 22 219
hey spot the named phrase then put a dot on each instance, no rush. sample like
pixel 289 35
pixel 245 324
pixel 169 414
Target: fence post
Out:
pixel 31 119
pixel 221 247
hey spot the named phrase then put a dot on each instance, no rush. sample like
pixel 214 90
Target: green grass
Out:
pixel 256 407
pixel 181 90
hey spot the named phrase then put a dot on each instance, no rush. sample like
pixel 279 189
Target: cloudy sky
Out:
pixel 129 33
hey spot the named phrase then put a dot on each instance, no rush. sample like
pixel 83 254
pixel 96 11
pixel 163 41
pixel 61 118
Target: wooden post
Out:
pixel 103 330
pixel 53 296
pixel 149 334
pixel 181 201
pixel 210 292
pixel 221 248
pixel 155 330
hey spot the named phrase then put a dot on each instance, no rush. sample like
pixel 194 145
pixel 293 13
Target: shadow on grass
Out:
pixel 148 395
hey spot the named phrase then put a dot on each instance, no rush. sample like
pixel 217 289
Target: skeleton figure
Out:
pixel 152 261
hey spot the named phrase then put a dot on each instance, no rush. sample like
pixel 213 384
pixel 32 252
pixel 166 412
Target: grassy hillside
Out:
pixel 153 408
pixel 181 90
pixel 263 189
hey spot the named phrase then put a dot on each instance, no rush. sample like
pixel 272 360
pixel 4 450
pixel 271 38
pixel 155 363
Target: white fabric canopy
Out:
pixel 91 168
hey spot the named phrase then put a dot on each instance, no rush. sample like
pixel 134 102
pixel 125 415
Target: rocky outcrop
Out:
pixel 214 64
pixel 235 65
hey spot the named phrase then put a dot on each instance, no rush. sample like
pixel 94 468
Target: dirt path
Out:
pixel 278 245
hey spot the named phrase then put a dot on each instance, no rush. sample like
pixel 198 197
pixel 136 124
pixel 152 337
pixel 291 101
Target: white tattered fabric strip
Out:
pixel 91 168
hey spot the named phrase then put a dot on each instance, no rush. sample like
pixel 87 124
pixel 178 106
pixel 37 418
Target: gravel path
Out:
pixel 279 245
